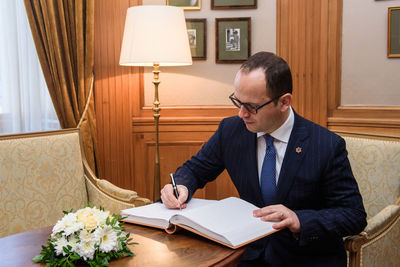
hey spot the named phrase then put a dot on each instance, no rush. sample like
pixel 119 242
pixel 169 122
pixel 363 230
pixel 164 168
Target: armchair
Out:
pixel 42 174
pixel 376 166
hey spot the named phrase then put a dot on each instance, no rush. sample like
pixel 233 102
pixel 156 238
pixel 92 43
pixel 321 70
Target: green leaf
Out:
pixel 75 256
pixel 67 211
pixel 66 250
pixel 38 258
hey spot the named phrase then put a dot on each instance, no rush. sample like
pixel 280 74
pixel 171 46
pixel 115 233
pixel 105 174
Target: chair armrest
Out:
pixel 375 227
pixel 377 224
pixel 124 195
pixel 113 191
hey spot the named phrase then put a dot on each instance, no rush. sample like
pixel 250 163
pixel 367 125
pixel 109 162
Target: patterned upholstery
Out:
pixel 376 165
pixel 42 174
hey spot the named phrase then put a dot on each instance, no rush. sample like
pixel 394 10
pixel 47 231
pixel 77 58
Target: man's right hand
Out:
pixel 169 199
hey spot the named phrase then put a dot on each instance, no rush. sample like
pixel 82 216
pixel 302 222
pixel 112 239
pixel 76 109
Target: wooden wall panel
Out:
pixel 376 120
pixel 114 91
pixel 179 139
pixel 303 41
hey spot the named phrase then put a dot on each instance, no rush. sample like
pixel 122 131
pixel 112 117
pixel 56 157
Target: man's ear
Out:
pixel 285 101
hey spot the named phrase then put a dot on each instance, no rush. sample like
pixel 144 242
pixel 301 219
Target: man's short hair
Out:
pixel 277 72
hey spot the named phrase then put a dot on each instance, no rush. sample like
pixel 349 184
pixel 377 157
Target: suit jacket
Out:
pixel 316 183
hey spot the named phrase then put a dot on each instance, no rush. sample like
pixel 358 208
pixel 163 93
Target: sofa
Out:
pixel 42 174
pixel 375 162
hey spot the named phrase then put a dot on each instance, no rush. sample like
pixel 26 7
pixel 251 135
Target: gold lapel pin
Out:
pixel 298 150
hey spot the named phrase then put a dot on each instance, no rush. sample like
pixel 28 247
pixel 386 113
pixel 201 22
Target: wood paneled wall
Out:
pixel 115 88
pixel 308 37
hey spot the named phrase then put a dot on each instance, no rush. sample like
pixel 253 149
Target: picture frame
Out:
pixel 393 42
pixel 232 39
pixel 233 4
pixel 185 4
pixel 197 34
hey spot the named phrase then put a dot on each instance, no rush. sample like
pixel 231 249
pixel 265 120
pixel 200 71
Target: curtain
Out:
pixel 25 104
pixel 63 31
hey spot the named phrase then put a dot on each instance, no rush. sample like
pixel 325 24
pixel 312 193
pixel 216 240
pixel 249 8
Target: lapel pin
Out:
pixel 298 150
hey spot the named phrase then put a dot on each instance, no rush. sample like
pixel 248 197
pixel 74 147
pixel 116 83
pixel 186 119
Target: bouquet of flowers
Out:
pixel 91 235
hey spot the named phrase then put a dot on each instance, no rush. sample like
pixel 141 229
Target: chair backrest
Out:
pixel 41 174
pixel 375 162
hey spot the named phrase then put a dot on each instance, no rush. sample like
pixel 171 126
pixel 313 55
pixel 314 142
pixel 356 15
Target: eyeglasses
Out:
pixel 250 107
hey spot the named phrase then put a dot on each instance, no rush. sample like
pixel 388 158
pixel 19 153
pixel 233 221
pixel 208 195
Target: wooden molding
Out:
pixel 376 120
pixel 188 111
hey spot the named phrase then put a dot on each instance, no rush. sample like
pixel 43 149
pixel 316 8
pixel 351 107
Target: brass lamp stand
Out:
pixel 156 115
pixel 155 36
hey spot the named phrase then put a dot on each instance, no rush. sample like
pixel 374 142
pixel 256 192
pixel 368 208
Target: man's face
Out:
pixel 251 88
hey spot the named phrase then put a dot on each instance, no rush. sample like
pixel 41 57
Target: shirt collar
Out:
pixel 283 133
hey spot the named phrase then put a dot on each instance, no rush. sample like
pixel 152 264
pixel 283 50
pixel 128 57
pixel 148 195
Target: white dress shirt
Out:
pixel 281 139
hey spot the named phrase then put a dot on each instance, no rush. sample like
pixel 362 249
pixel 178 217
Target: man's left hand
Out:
pixel 284 217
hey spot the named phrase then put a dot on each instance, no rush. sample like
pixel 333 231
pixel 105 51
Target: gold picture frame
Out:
pixel 393 49
pixel 185 4
pixel 233 4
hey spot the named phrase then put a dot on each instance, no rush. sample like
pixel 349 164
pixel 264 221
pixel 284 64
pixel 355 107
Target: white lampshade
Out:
pixel 155 34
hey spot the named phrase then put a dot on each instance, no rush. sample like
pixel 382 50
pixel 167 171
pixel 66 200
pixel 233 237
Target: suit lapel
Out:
pixel 295 151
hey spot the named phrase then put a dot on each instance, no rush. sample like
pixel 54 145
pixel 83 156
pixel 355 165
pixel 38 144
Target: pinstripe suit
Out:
pixel 316 183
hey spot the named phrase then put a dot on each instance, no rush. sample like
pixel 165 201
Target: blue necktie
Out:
pixel 268 172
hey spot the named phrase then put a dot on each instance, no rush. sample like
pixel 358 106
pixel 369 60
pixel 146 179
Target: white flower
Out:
pixel 108 238
pixel 91 218
pixel 85 249
pixel 67 225
pixel 85 235
pixel 59 244
pixel 73 242
pixel 102 217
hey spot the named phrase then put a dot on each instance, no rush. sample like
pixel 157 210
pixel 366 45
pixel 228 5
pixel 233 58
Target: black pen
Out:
pixel 175 189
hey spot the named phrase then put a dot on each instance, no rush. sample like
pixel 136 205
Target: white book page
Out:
pixel 232 218
pixel 158 215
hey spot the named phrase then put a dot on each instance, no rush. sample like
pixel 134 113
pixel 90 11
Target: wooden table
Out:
pixel 155 248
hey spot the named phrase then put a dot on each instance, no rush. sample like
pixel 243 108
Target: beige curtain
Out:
pixel 63 31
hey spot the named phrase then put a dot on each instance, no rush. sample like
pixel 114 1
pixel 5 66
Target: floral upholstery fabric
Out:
pixel 376 166
pixel 40 176
pixel 43 174
pixel 101 199
pixel 384 250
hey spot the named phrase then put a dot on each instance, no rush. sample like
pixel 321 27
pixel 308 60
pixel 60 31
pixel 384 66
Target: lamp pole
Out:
pixel 156 109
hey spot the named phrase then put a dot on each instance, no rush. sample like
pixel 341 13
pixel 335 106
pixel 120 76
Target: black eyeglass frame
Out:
pixel 237 103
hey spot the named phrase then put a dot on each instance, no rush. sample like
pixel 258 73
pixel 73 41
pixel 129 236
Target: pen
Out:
pixel 174 186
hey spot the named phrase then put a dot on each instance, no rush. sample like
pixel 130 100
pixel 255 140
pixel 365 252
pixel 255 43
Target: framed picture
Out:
pixel 233 4
pixel 393 32
pixel 232 39
pixel 185 4
pixel 197 34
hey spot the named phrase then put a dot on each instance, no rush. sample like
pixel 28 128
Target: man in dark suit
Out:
pixel 297 172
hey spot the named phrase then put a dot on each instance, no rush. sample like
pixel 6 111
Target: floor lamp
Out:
pixel 155 36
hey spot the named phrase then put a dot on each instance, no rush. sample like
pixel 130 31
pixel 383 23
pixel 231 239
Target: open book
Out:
pixel 228 221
